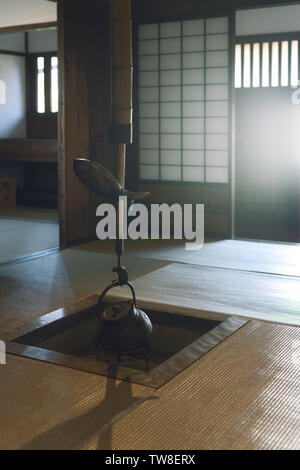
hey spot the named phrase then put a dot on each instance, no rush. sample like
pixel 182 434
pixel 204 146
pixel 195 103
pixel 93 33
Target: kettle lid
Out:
pixel 113 313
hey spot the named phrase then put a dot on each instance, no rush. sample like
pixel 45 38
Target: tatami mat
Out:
pixel 244 394
pixel 24 231
pixel 213 293
pixel 34 288
pixel 43 406
pixel 256 256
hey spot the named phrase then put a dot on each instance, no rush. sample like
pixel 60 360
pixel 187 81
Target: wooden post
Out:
pixel 122 71
pixel 84 109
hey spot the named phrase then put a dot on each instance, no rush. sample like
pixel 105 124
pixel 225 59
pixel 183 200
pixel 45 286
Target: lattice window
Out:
pixel 46 84
pixel 183 101
pixel 267 64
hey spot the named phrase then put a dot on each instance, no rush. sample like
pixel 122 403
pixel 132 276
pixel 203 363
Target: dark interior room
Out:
pixel 149 227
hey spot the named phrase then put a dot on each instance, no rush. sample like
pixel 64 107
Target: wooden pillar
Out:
pixel 122 72
pixel 85 96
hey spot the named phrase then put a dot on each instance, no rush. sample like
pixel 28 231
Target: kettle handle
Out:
pixel 106 290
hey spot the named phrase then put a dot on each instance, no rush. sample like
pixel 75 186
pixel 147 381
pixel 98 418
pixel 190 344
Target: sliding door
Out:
pixel 267 138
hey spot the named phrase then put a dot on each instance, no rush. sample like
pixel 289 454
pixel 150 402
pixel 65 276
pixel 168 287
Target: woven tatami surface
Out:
pixel 244 394
pixel 44 406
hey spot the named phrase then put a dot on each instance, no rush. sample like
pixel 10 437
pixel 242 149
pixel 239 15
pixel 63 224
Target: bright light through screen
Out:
pixel 294 64
pixel 284 63
pixel 238 66
pixel 40 85
pixel 256 67
pixel 247 65
pixel 275 64
pixel 54 85
pixel 2 92
pixel 265 65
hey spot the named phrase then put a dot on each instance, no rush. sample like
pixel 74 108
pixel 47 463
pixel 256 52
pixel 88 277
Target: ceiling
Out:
pixel 23 12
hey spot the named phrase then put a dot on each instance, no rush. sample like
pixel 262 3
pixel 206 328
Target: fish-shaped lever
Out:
pixel 101 181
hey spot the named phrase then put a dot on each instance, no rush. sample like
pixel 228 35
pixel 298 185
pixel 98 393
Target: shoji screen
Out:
pixel 183 101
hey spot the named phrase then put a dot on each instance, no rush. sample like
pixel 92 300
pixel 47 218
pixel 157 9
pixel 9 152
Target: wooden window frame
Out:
pixel 32 84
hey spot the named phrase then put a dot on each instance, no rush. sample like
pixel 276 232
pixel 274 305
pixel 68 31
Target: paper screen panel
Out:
pixel 183 101
pixel 216 175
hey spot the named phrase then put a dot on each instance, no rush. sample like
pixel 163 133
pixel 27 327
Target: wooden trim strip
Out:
pixel 157 377
pixel 28 27
pixel 37 254
pixel 5 52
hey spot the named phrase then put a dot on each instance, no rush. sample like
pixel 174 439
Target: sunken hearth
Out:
pixel 175 343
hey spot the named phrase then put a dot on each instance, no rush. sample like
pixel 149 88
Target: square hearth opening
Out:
pixel 175 343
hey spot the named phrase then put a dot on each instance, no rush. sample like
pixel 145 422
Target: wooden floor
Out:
pixel 241 395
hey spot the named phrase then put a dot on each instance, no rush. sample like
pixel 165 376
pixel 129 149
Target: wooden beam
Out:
pixel 5 52
pixel 27 27
pixel 39 151
pixel 85 76
pixel 159 9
